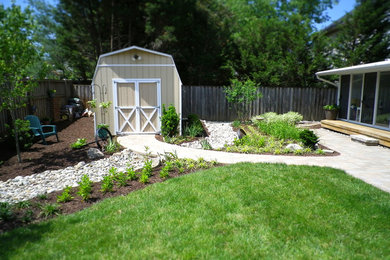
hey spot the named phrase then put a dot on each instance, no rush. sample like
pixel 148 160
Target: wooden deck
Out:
pixel 353 129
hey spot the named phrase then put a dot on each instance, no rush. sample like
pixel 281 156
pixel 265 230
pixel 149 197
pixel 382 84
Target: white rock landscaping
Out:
pixel 27 187
pixel 220 133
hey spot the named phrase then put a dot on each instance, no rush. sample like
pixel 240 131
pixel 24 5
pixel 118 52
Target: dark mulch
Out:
pixel 77 203
pixel 55 155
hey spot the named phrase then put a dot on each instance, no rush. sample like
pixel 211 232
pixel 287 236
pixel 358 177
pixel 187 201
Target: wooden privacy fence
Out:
pixel 47 99
pixel 209 102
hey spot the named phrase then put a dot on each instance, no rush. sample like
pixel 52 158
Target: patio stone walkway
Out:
pixel 368 163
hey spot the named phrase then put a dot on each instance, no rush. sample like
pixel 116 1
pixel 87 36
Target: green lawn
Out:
pixel 238 211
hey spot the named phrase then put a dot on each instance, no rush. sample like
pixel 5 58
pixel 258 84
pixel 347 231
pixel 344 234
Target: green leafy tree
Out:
pixel 274 42
pixel 363 34
pixel 19 61
pixel 240 94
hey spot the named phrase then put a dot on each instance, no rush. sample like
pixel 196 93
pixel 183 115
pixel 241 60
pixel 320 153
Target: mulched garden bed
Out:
pixel 54 156
pixel 77 203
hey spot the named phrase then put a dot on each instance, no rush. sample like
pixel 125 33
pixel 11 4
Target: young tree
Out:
pixel 240 94
pixel 19 60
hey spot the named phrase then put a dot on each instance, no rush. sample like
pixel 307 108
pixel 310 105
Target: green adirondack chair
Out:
pixel 37 128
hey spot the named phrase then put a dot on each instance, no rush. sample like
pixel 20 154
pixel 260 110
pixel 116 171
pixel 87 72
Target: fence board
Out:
pixel 209 102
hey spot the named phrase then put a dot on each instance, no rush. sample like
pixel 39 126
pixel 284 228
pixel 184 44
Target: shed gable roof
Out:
pixel 135 48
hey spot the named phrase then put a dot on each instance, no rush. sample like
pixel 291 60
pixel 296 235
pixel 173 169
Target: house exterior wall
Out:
pixel 123 66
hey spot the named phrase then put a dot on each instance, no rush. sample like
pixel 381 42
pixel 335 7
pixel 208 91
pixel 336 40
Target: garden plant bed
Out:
pixel 251 130
pixel 31 211
pixel 54 156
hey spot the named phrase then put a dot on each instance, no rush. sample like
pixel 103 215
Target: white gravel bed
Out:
pixel 221 133
pixel 24 188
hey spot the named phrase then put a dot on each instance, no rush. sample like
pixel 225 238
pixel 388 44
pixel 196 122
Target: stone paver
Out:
pixel 368 163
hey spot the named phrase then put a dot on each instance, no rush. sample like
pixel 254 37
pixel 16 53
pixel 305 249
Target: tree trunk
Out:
pixel 16 130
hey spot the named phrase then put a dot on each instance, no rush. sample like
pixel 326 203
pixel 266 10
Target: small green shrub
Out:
pixel 92 103
pixel 308 138
pixel 107 184
pixel 121 179
pixel 6 212
pixel 144 178
pixel 79 143
pixel 131 174
pixel 85 187
pixel 147 169
pixel 112 147
pixel 164 173
pixel 65 195
pixel 236 123
pixel 49 210
pixel 320 151
pixel 169 121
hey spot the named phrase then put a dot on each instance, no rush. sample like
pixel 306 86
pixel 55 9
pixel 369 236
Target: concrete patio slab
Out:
pixel 368 163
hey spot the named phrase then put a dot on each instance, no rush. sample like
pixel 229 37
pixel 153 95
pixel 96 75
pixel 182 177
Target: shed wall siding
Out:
pixel 170 86
pixel 127 58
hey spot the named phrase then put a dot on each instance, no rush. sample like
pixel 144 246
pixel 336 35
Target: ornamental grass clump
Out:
pixel 280 129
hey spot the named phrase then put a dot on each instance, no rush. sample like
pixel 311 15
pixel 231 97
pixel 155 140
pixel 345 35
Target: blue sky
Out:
pixel 335 13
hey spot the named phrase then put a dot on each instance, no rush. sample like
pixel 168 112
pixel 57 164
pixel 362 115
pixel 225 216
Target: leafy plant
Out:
pixel 193 130
pixel 6 212
pixel 42 196
pixel 102 126
pixel 65 196
pixel 121 178
pixel 49 210
pixel 27 216
pixel 144 178
pixel 331 107
pixel 112 147
pixel 205 144
pixel 79 143
pixel 23 204
pixel 105 105
pixel 85 187
pixel 107 184
pixel 308 138
pixel 241 93
pixel 92 103
pixel 25 138
pixel 164 173
pixel 236 123
pixel 279 129
pixel 147 169
pixel 169 121
pixel 132 175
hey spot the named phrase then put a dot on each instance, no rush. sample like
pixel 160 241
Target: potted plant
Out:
pixel 331 111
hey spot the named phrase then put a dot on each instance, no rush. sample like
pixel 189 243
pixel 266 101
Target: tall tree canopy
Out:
pixel 363 34
pixel 272 42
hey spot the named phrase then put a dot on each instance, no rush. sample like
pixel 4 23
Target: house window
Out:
pixel 383 107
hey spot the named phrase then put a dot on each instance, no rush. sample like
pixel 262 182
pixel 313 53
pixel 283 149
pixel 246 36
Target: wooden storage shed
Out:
pixel 137 82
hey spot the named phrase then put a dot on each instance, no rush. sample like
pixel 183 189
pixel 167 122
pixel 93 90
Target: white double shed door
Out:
pixel 137 106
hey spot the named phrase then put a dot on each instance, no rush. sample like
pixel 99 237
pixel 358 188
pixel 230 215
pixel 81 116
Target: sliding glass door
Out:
pixel 355 100
pixel 368 101
pixel 383 103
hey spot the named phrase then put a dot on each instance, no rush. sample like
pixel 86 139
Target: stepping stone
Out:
pixel 365 140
